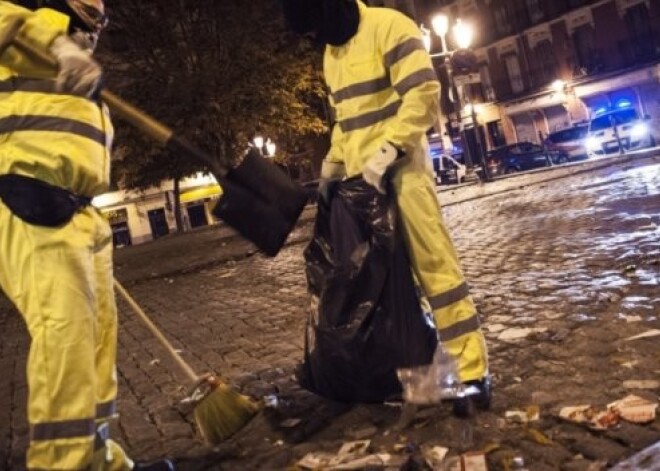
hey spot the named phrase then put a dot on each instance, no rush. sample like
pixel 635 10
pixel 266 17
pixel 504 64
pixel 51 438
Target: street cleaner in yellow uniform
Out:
pixel 385 95
pixel 56 249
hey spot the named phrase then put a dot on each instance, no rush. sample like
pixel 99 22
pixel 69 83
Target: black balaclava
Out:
pixel 333 21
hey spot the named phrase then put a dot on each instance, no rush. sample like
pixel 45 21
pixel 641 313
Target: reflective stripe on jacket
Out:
pixel 382 87
pixel 61 139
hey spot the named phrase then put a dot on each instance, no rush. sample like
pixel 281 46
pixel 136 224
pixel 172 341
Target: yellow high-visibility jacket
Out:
pixel 382 88
pixel 61 139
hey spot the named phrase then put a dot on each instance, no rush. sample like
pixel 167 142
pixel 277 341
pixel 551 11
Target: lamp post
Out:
pixel 463 35
pixel 265 146
pixel 440 25
pixel 270 148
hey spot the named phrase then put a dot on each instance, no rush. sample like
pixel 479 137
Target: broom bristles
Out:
pixel 223 412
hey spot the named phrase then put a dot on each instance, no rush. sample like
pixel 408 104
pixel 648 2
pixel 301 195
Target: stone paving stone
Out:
pixel 633 435
pixel 596 448
pixel 646 460
pixel 553 257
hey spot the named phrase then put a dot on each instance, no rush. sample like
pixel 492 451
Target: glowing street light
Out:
pixel 470 109
pixel 265 146
pixel 270 148
pixel 558 85
pixel 440 25
pixel 463 34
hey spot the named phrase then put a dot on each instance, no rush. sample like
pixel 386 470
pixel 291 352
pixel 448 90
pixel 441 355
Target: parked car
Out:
pixel 569 142
pixel 521 156
pixel 448 170
pixel 634 132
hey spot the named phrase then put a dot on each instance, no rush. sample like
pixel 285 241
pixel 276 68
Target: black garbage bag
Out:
pixel 365 319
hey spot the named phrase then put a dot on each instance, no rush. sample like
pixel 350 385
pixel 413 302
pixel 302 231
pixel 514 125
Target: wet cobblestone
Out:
pixel 562 273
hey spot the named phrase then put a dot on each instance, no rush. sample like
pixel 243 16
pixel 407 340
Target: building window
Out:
pixel 158 222
pixel 503 20
pixel 121 234
pixel 547 63
pixel 487 90
pixel 513 73
pixel 535 11
pixel 640 43
pixel 583 39
pixel 496 133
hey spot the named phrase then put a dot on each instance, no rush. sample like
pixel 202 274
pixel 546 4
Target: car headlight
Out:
pixel 591 143
pixel 639 130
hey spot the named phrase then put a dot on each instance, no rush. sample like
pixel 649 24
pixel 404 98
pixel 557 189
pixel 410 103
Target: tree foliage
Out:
pixel 217 72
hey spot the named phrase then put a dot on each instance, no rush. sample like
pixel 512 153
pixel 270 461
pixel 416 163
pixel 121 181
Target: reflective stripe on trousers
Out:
pixel 437 268
pixel 60 279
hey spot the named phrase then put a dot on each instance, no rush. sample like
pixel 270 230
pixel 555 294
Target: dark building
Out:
pixel 546 65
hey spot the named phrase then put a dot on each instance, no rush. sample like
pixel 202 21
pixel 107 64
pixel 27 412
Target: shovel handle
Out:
pixel 11 32
pixel 138 118
pixel 153 128
pixel 185 367
pixel 156 130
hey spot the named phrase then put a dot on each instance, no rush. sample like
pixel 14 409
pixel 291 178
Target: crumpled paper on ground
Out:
pixel 631 408
pixel 351 456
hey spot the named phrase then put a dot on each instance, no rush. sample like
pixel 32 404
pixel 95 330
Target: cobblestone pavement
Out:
pixel 563 273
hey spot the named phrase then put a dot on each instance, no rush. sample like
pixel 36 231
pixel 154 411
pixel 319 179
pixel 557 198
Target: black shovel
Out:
pixel 258 199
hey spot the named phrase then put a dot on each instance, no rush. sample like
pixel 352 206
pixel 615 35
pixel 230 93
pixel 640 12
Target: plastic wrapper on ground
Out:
pixel 432 383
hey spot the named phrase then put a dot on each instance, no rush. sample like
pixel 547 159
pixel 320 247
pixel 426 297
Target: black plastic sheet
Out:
pixel 365 318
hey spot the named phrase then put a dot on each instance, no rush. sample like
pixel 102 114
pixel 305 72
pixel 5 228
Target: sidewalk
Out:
pixel 564 270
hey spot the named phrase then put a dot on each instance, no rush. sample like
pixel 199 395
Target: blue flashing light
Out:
pixel 601 110
pixel 623 103
pixel 436 152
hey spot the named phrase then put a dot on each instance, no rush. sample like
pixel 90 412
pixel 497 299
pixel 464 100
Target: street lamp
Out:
pixel 440 25
pixel 558 86
pixel 463 34
pixel 270 148
pixel 265 146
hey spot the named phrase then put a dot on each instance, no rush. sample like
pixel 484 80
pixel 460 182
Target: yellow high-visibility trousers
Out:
pixel 437 268
pixel 61 281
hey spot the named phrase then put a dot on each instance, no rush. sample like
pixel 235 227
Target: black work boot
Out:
pixel 465 407
pixel 160 465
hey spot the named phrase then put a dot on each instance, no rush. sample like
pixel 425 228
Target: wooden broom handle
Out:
pixel 185 367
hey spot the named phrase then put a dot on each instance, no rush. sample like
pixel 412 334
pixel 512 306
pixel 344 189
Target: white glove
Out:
pixel 79 73
pixel 377 165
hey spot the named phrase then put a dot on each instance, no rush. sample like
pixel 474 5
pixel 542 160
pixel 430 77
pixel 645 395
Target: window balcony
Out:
pixel 639 50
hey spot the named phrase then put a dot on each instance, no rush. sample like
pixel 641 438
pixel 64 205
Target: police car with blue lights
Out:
pixel 618 130
pixel 448 169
